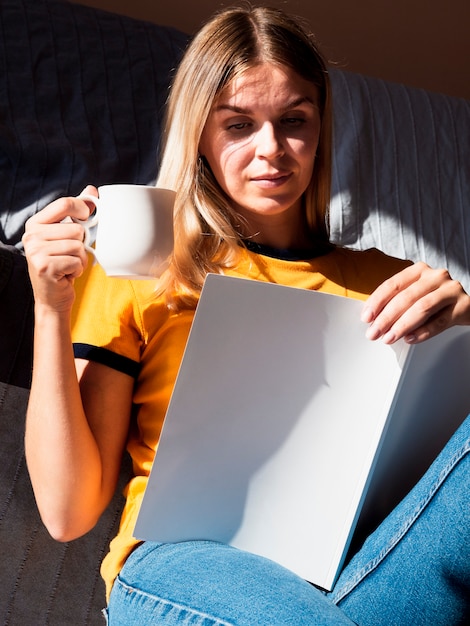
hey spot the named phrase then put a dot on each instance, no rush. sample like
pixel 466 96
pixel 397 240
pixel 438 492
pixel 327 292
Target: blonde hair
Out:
pixel 206 236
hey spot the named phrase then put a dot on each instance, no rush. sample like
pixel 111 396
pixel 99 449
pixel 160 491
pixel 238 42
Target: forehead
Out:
pixel 267 84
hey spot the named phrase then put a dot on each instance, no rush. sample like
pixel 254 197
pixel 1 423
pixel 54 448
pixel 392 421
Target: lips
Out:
pixel 272 179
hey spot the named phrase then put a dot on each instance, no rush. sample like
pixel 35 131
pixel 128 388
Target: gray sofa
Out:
pixel 81 99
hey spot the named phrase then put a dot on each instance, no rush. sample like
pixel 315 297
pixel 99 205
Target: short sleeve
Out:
pixel 107 319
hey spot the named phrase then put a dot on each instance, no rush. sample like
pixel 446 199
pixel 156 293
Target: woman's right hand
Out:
pixel 54 249
pixel 78 411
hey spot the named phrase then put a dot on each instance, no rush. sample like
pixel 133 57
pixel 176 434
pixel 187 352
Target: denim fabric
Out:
pixel 415 569
pixel 211 584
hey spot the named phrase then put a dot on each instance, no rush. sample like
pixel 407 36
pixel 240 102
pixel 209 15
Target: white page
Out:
pixel 273 426
pixel 432 401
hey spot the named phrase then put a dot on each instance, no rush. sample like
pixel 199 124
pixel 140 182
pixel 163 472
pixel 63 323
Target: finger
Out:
pixel 59 267
pixel 59 210
pixel 38 239
pixel 66 229
pixel 53 285
pixel 395 298
pixel 403 313
pixel 434 325
pixel 389 289
pixel 457 312
pixel 423 320
pixel 423 310
pixel 43 255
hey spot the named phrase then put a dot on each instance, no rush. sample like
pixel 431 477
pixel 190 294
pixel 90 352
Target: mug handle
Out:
pixel 89 223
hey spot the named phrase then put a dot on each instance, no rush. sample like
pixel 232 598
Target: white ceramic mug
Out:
pixel 134 236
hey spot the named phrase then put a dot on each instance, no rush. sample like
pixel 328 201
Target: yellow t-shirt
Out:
pixel 120 323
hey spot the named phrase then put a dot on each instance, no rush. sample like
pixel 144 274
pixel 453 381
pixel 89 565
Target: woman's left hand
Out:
pixel 416 304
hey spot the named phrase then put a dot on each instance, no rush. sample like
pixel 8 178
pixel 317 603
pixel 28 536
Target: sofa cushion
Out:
pixel 401 180
pixel 82 94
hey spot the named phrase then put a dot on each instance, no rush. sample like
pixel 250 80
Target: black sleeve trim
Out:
pixel 106 357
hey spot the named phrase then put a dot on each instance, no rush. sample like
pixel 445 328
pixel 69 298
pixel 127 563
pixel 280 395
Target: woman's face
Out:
pixel 260 141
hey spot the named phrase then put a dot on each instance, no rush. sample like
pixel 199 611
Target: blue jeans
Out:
pixel 414 569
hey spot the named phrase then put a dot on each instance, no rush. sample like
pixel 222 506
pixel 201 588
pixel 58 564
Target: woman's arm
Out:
pixel 78 413
pixel 417 303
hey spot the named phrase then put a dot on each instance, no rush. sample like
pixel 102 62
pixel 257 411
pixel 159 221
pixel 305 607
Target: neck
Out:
pixel 290 234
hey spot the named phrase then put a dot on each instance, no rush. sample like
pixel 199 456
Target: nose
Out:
pixel 268 141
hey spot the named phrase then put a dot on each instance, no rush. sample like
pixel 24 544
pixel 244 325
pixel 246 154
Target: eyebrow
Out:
pixel 291 105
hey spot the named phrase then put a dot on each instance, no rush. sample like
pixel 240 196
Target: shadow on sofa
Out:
pixel 81 95
pixel 41 581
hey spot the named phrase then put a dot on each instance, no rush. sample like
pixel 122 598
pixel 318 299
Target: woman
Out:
pixel 247 147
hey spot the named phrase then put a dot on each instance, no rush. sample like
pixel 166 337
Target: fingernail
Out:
pixel 367 315
pixel 389 337
pixel 372 333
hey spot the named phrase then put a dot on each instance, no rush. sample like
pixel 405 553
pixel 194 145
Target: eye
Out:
pixel 293 122
pixel 238 127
